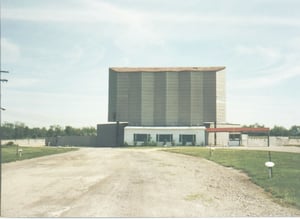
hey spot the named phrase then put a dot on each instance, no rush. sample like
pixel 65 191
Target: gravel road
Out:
pixel 106 182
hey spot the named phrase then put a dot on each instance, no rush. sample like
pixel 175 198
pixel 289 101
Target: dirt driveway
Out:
pixel 105 182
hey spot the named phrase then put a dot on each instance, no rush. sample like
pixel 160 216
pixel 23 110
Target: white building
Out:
pixel 134 135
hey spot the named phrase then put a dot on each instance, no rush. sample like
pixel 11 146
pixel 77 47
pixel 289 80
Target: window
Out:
pixel 234 137
pixel 187 138
pixel 164 138
pixel 141 137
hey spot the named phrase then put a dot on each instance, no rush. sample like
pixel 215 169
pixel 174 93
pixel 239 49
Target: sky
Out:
pixel 58 53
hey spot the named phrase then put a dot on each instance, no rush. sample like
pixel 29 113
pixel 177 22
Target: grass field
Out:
pixel 285 183
pixel 9 153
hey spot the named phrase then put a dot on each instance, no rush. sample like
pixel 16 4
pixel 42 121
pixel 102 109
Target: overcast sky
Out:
pixel 58 53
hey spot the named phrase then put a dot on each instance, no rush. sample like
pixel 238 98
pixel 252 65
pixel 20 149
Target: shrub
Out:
pixel 10 143
pixel 152 143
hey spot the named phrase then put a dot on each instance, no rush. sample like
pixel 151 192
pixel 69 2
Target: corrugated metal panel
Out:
pixel 159 99
pixel 167 98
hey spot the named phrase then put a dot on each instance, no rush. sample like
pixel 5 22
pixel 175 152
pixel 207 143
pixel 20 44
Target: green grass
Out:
pixel 285 183
pixel 9 152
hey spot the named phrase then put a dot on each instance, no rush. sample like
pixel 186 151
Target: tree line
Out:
pixel 293 131
pixel 19 130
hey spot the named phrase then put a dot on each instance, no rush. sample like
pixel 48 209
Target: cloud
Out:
pixel 137 28
pixel 138 37
pixel 86 11
pixel 264 109
pixel 48 108
pixel 10 51
pixel 293 44
pixel 93 11
pixel 23 82
pixel 271 54
pixel 268 66
pixel 268 78
pixel 130 29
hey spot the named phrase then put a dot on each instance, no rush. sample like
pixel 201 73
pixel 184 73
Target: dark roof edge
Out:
pixel 166 69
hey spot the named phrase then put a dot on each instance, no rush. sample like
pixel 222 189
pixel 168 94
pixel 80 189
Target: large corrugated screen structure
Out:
pixel 184 96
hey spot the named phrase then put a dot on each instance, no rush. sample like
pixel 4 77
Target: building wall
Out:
pixel 295 142
pixel 172 100
pixel 159 99
pixel 197 99
pixel 255 141
pixel 147 97
pixel 110 134
pixel 209 97
pixel 175 131
pixel 221 96
pixel 185 98
pixel 87 141
pixel 112 97
pixel 222 139
pixel 134 97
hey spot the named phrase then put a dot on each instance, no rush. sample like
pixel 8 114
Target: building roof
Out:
pixel 167 69
pixel 165 128
pixel 247 130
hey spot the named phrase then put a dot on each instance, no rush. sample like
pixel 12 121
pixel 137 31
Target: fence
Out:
pixel 89 141
pixel 274 141
pixel 26 142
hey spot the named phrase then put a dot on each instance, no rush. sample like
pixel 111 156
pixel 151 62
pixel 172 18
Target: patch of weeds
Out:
pixel 197 196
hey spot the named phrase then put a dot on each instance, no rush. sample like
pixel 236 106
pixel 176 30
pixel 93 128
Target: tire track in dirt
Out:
pixel 106 182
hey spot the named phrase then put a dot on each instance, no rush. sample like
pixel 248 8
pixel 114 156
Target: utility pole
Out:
pixel 1 80
pixel 215 133
pixel 117 134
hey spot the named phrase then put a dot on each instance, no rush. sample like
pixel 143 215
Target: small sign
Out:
pixel 269 164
